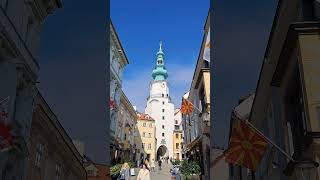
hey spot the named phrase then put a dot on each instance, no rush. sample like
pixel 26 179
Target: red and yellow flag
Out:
pixel 186 107
pixel 246 146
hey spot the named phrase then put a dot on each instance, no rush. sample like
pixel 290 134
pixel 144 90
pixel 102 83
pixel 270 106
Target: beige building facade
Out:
pixel 145 139
pixel 177 136
pixel 126 123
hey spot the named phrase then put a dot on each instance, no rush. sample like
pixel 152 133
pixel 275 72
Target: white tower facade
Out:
pixel 161 109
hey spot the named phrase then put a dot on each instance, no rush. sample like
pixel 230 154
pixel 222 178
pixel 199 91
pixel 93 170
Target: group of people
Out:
pixel 144 173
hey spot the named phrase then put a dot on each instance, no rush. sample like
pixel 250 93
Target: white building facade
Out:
pixel 21 24
pixel 118 61
pixel 160 108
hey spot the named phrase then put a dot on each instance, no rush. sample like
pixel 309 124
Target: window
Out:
pixel 181 145
pixel 125 136
pixel 176 121
pixel 143 134
pixel 177 145
pixel 163 102
pixel 144 124
pixel 162 126
pixel 149 146
pixel 162 110
pixel 162 134
pixel 177 136
pixel 91 173
pixel 142 145
pixel 162 95
pixel 167 95
pixel 149 135
pixel 150 125
pixel 181 136
pixel 39 155
pixel 58 171
pixel 162 117
pixel 176 127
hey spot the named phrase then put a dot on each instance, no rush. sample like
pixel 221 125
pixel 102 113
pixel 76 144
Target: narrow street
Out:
pixel 163 174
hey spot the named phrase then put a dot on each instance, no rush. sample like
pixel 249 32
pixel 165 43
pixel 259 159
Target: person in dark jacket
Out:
pixel 159 164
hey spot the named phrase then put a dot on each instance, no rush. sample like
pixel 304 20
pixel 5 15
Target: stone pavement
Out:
pixel 163 174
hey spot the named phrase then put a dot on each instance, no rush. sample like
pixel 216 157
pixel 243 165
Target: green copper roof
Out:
pixel 160 73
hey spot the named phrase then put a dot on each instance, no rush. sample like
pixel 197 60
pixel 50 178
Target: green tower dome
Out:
pixel 160 73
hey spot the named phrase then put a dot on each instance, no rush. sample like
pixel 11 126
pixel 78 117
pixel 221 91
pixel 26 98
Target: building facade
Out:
pixel 286 106
pixel 21 24
pixel 52 154
pixel 126 123
pixel 118 61
pixel 145 138
pixel 97 171
pixel 177 136
pixel 197 125
pixel 160 107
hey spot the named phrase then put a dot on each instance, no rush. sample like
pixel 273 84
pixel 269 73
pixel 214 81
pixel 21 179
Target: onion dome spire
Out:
pixel 160 72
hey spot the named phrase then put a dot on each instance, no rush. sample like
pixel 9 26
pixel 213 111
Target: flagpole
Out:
pixel 269 140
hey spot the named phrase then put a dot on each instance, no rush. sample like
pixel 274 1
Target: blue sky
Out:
pixel 141 25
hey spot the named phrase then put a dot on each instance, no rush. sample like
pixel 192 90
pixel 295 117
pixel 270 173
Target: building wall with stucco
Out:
pixel 145 139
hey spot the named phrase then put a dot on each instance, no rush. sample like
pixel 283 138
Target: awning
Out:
pixel 193 143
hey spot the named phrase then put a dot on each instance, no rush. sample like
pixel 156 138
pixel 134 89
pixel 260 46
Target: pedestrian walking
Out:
pixel 146 162
pixel 125 172
pixel 153 165
pixel 159 164
pixel 144 173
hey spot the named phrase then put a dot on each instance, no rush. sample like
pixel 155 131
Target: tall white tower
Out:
pixel 160 107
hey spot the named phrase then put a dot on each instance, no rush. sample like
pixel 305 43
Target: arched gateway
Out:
pixel 162 152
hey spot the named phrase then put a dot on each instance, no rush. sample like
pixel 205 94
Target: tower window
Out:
pixel 167 95
pixel 162 126
pixel 162 95
pixel 163 102
pixel 177 136
pixel 162 117
pixel 176 122
pixel 162 134
pixel 162 110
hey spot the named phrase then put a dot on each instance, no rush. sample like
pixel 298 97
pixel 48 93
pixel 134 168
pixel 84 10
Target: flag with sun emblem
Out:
pixel 186 107
pixel 246 146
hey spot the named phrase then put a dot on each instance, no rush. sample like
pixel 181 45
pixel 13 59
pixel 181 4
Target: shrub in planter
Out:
pixel 115 170
pixel 176 162
pixel 189 168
